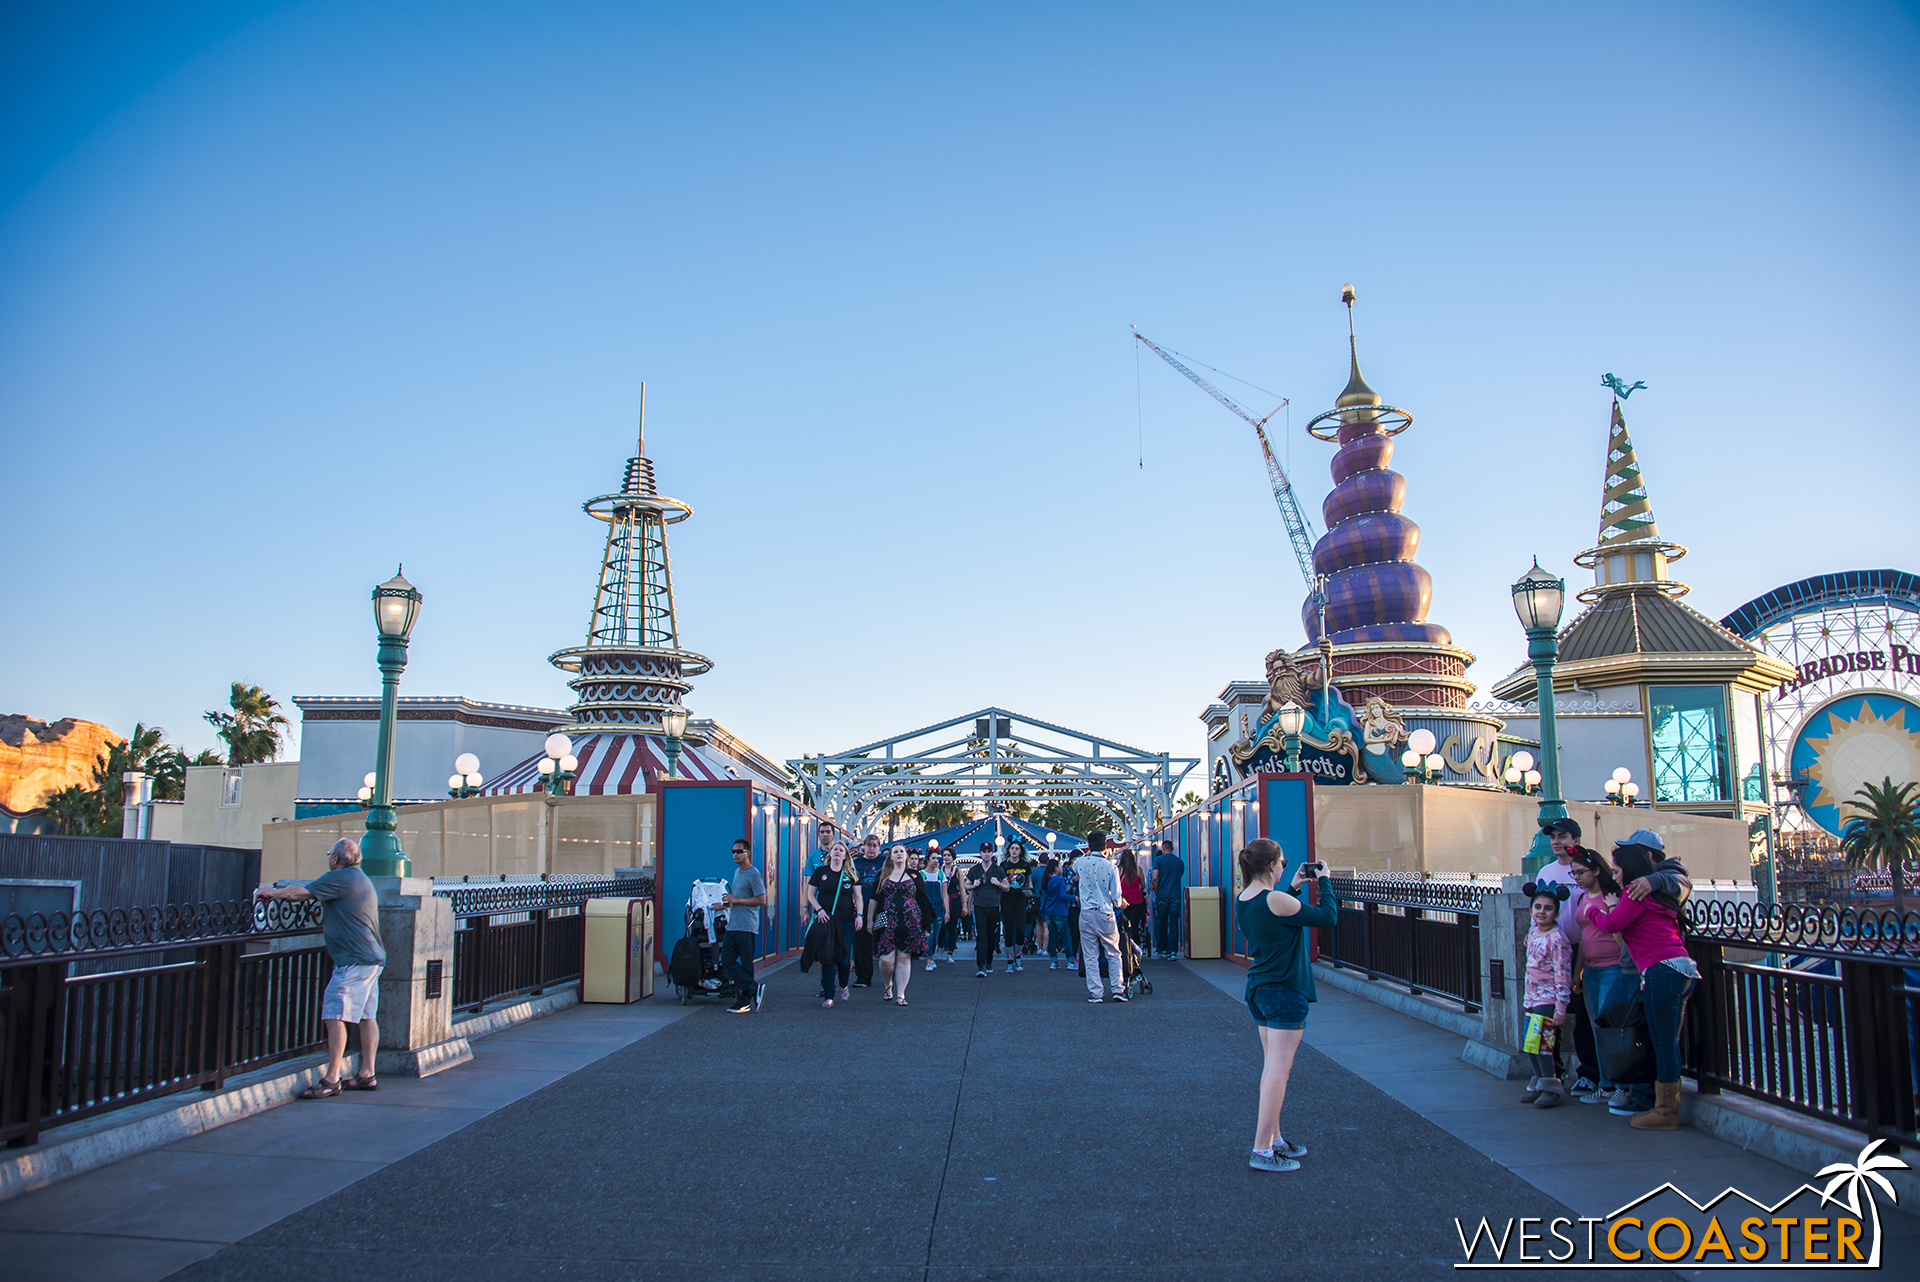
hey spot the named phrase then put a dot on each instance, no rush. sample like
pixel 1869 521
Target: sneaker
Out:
pixel 932 964
pixel 759 995
pixel 1053 965
pixel 1268 1160
pixel 1620 1103
pixel 845 995
pixel 827 1004
pixel 1282 1147
pixel 1095 1001
pixel 741 1010
pixel 1118 997
pixel 981 974
pixel 861 983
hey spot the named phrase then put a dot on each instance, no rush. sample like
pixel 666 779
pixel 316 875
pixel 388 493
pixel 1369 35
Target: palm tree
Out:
pixel 75 810
pixel 935 815
pixel 1884 830
pixel 253 729
pixel 1189 798
pixel 1854 1175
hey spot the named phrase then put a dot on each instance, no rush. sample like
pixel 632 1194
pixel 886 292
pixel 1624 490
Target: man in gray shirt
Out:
pixel 742 902
pixel 350 925
pixel 1099 920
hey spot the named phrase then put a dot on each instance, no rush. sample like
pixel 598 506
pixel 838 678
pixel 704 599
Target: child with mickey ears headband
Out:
pixel 1547 990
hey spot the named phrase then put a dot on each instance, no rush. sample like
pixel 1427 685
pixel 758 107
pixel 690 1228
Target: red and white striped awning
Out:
pixel 613 765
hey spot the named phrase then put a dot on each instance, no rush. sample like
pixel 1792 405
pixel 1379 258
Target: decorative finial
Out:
pixel 1620 391
pixel 640 450
pixel 1358 393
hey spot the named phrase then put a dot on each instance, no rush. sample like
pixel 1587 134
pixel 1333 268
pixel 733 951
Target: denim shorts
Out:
pixel 1277 1006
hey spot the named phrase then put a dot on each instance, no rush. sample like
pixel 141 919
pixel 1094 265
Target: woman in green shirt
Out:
pixel 1279 983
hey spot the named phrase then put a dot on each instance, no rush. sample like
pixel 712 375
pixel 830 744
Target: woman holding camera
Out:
pixel 1279 983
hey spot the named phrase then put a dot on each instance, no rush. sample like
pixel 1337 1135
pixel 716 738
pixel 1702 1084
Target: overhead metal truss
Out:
pixel 994 755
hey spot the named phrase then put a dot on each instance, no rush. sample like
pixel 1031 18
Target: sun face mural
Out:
pixel 1855 740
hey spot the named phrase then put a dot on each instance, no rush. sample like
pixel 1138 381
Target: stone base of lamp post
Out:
pixel 416 1031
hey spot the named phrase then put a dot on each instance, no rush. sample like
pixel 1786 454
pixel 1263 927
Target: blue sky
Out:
pixel 295 292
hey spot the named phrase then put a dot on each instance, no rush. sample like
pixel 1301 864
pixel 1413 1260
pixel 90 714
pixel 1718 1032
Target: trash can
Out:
pixel 1203 921
pixel 618 962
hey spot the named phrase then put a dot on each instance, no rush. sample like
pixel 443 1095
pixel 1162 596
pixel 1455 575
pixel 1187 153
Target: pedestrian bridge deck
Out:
pixel 995 1128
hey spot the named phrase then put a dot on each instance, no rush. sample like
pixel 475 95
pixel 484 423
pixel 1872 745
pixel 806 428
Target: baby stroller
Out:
pixel 1131 955
pixel 693 968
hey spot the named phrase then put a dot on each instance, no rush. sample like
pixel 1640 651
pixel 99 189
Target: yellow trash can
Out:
pixel 618 962
pixel 1203 921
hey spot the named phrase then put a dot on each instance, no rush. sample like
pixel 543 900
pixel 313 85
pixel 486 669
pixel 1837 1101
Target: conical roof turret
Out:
pixel 1630 553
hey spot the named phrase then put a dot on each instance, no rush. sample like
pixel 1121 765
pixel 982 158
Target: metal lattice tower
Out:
pixel 632 669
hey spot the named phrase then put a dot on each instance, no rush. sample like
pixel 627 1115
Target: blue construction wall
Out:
pixel 699 823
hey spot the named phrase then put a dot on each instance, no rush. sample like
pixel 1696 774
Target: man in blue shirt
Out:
pixel 1169 877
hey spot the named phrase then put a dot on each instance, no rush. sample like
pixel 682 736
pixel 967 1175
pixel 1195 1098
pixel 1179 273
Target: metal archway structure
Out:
pixel 1851 630
pixel 994 755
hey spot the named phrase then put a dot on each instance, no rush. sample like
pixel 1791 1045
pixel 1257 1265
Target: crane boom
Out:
pixel 1298 531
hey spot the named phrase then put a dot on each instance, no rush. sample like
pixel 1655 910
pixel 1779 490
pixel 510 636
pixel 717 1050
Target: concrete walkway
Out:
pixel 154 1213
pixel 996 1127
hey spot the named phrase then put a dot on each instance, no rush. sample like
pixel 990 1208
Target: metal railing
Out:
pixel 1423 934
pixel 523 938
pixel 75 1045
pixel 1829 1031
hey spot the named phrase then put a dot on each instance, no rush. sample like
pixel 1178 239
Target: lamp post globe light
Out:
pixel 557 767
pixel 465 780
pixel 674 722
pixel 1538 598
pixel 1621 789
pixel 396 607
pixel 1293 718
pixel 1420 756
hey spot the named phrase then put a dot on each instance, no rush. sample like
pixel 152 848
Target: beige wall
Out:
pixel 267 791
pixel 519 836
pixel 169 821
pixel 1445 830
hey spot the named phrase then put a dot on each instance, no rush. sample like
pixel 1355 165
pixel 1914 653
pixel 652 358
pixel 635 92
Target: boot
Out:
pixel 1551 1093
pixel 1665 1113
pixel 1532 1092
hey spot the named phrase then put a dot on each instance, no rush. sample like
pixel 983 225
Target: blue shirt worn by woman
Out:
pixel 1278 945
pixel 1054 902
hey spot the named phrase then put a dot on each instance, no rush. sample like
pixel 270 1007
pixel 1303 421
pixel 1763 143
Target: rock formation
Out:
pixel 39 757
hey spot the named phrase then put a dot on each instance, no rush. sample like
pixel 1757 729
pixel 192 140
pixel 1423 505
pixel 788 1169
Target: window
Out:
pixel 230 788
pixel 1688 725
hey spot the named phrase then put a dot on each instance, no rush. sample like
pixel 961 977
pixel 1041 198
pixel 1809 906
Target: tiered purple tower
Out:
pixel 1375 590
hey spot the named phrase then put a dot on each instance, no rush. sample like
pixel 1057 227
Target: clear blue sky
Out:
pixel 294 292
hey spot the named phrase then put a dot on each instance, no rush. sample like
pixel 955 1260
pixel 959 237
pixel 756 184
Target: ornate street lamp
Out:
pixel 1293 718
pixel 557 767
pixel 1538 599
pixel 1420 756
pixel 674 722
pixel 465 780
pixel 365 794
pixel 1621 789
pixel 396 605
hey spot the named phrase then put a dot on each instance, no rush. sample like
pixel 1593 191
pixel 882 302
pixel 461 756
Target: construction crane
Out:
pixel 1296 522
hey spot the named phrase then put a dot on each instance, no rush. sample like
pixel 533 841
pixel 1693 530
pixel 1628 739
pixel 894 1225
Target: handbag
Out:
pixel 1624 1045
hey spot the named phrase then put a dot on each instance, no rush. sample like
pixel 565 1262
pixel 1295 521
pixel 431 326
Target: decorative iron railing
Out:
pixel 523 937
pixel 1812 930
pixel 149 929
pixel 1420 933
pixel 76 1044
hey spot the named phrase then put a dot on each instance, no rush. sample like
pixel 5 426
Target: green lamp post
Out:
pixel 1292 718
pixel 1538 599
pixel 674 722
pixel 396 605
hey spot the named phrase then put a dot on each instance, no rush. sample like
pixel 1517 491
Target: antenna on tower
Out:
pixel 640 450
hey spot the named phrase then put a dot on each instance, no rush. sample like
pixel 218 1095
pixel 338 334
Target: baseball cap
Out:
pixel 1563 824
pixel 1644 837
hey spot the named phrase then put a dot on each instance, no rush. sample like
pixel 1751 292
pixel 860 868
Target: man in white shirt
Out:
pixel 1100 920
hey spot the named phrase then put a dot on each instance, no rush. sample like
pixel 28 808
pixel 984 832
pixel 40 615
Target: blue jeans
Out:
pixel 1664 991
pixel 834 974
pixel 736 961
pixel 1605 986
pixel 1058 943
pixel 1166 924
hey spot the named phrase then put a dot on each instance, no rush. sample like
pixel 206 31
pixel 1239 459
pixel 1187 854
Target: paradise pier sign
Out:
pixel 1895 658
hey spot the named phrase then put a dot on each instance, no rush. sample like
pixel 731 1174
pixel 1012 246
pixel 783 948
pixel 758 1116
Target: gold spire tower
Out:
pixel 1630 552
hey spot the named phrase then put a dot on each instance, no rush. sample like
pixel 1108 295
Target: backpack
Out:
pixel 684 963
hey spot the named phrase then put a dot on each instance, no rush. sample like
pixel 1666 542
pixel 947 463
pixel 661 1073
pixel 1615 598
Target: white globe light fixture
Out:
pixel 1435 763
pixel 1422 741
pixel 466 764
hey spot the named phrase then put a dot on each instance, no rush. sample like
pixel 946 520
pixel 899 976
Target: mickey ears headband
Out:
pixel 1534 889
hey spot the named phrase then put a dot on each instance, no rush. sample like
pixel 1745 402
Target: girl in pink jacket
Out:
pixel 1547 990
